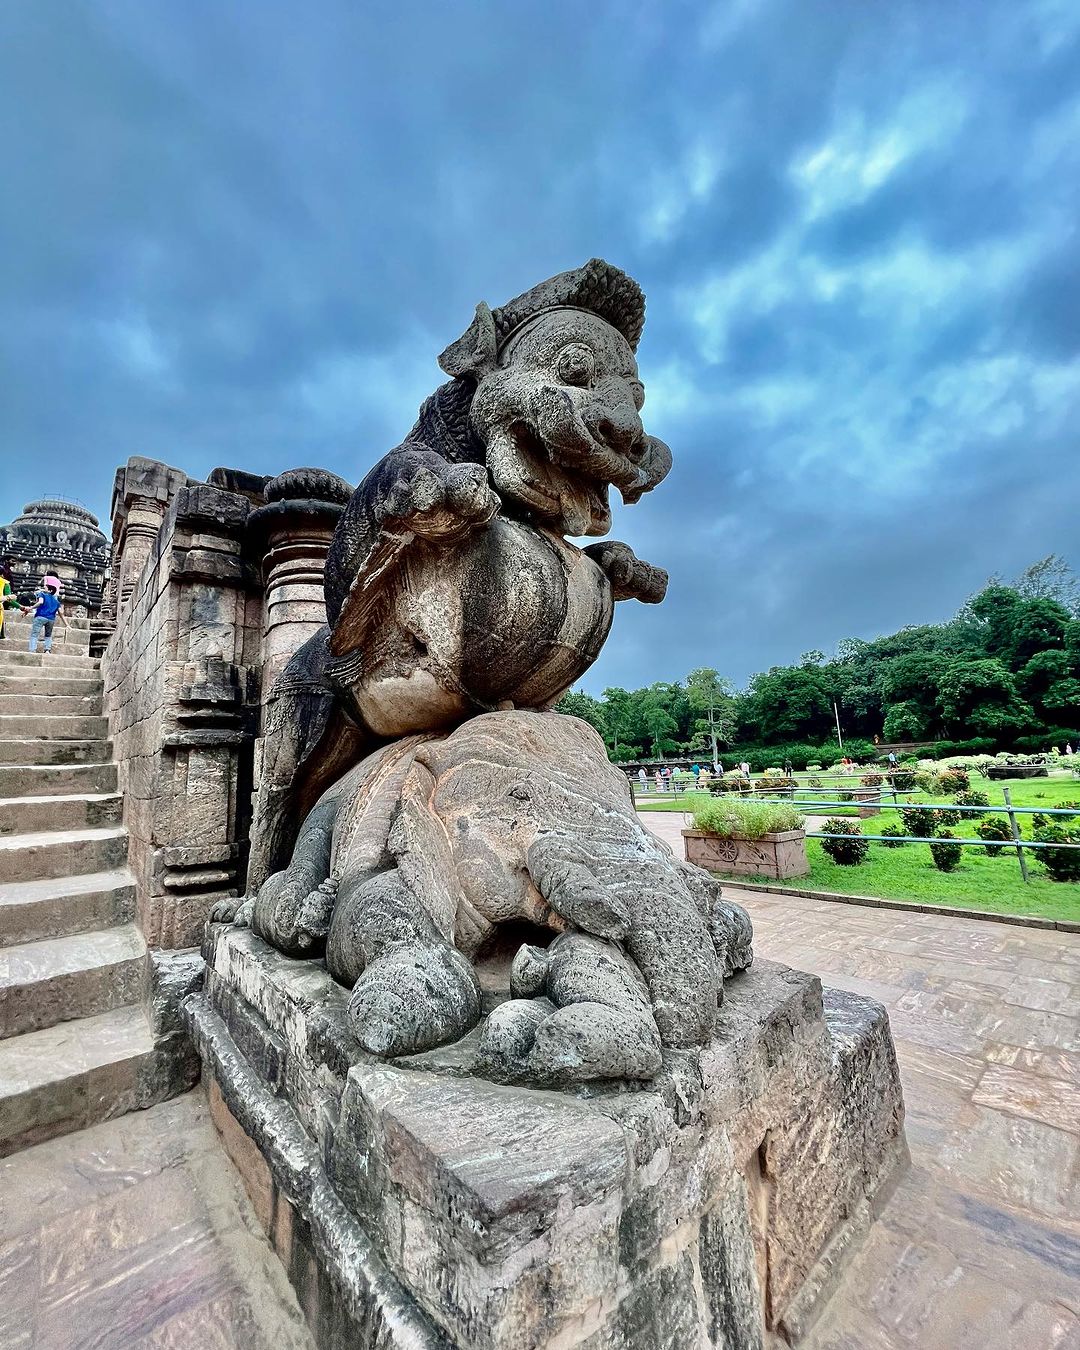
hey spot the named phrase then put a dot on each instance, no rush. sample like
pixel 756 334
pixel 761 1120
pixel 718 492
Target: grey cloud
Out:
pixel 238 234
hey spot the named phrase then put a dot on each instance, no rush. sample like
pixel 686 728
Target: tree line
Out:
pixel 1003 674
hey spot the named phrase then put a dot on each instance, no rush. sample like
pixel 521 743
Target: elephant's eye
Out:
pixel 576 364
pixel 637 389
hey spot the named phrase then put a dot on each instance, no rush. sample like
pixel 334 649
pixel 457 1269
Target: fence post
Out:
pixel 1016 835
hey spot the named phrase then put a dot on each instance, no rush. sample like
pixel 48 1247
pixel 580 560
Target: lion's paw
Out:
pixel 440 501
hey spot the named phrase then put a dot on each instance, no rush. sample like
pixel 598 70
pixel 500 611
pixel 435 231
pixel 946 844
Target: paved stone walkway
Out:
pixel 979 1246
pixel 135 1233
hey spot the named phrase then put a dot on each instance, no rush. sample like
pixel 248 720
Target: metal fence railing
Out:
pixel 1018 843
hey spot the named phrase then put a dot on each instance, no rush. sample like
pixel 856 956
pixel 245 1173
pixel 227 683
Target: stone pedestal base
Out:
pixel 416 1205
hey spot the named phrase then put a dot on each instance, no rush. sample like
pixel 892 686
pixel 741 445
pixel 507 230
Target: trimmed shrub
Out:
pixel 944 815
pixel 921 821
pixel 896 836
pixel 815 782
pixel 774 782
pixel 953 780
pixel 1039 821
pixel 1063 864
pixel 902 780
pixel 997 827
pixel 1061 806
pixel 946 855
pixel 972 798
pixel 747 818
pixel 850 850
pixel 871 780
pixel 813 768
pixel 980 745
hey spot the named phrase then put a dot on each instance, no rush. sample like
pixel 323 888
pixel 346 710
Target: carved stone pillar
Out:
pixel 142 492
pixel 293 531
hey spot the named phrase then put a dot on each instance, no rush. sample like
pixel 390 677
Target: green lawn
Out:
pixel 980 882
pixel 1035 792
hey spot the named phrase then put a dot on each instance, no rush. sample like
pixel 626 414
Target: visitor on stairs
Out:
pixel 45 613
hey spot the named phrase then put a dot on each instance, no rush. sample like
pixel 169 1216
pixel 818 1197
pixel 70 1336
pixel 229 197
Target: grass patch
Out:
pixel 908 873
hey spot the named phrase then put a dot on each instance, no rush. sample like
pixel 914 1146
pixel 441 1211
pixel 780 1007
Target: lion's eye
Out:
pixel 575 365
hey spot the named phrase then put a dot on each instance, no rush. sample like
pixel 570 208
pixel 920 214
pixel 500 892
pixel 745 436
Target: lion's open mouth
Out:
pixel 556 491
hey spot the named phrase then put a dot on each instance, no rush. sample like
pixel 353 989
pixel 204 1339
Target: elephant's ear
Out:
pixel 475 351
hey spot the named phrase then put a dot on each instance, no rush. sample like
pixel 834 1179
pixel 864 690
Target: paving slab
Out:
pixel 980 1245
pixel 137 1233
pixel 59 811
pixel 36 751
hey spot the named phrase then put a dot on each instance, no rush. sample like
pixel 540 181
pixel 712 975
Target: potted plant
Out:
pixel 747 837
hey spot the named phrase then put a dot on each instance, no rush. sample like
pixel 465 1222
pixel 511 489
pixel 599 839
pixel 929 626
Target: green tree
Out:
pixel 995 609
pixel 791 703
pixel 659 722
pixel 619 718
pixel 707 693
pixel 1051 680
pixel 904 722
pixel 1039 625
pixel 980 698
pixel 1051 578
pixel 576 703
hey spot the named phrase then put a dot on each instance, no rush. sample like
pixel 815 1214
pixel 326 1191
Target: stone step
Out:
pixel 22 752
pixel 49 680
pixel 62 853
pixel 72 638
pixel 15 727
pixel 75 623
pixel 61 906
pixel 50 704
pixel 73 1075
pixel 58 979
pixel 17 658
pixel 45 780
pixel 20 637
pixel 61 811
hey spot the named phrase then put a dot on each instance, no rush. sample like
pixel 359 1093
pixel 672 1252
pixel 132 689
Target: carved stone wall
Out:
pixel 213 588
pixel 181 695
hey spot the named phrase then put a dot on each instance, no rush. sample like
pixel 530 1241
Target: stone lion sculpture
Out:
pixel 451 587
pixel 442 803
pixel 414 860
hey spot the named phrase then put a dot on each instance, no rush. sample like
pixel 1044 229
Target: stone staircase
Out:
pixel 76 1045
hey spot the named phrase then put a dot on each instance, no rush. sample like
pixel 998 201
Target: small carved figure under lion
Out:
pixel 441 800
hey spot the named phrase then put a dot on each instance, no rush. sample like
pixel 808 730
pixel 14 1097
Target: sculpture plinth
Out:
pixel 493 1060
pixel 416 1204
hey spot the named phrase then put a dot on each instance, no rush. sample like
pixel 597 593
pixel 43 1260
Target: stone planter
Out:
pixel 773 855
pixel 996 771
pixel 868 800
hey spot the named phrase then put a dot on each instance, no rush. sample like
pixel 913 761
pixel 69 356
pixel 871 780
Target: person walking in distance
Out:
pixel 46 609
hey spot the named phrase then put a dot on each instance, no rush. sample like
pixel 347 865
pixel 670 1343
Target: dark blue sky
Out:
pixel 239 234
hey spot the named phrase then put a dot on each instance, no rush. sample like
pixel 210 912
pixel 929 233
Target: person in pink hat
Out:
pixel 45 610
